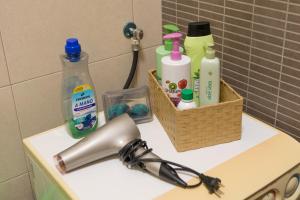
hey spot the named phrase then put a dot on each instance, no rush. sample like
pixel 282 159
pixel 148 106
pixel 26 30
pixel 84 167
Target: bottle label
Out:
pixel 174 90
pixel 84 107
pixel 196 86
pixel 209 90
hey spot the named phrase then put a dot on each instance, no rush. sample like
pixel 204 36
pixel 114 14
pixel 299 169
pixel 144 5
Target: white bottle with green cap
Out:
pixel 210 78
pixel 186 100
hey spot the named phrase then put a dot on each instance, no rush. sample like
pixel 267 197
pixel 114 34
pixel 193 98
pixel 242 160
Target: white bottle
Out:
pixel 176 70
pixel 210 78
pixel 186 100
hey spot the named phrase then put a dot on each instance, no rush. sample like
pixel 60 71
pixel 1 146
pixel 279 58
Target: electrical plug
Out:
pixel 213 184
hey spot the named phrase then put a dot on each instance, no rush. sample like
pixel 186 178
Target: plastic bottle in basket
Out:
pixel 175 70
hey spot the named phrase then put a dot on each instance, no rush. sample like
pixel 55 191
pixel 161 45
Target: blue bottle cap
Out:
pixel 73 49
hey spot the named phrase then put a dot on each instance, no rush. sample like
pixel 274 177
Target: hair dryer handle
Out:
pixel 160 169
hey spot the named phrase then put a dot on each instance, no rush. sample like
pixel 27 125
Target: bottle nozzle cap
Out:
pixel 72 46
pixel 210 52
pixel 187 94
pixel 198 29
pixel 175 54
pixel 169 28
pixel 73 49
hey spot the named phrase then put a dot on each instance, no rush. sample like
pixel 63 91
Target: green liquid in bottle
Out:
pixel 79 134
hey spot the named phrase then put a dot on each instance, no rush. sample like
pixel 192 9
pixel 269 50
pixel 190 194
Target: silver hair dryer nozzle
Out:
pixel 105 141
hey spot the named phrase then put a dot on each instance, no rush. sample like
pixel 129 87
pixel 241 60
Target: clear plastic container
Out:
pixel 135 102
pixel 78 95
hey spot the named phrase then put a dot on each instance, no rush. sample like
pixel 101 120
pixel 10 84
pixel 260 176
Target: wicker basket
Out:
pixel 199 127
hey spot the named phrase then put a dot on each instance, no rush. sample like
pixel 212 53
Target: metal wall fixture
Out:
pixel 131 31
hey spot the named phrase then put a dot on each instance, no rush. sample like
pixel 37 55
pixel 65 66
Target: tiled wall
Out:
pixel 259 43
pixel 32 35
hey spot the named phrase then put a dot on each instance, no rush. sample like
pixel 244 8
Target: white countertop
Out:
pixel 110 179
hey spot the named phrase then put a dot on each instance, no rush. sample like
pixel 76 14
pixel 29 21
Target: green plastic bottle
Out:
pixel 165 50
pixel 195 44
pixel 79 98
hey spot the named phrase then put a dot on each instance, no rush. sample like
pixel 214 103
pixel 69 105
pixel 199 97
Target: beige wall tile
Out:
pixel 12 161
pixel 111 74
pixel 18 188
pixel 38 103
pixel 4 80
pixel 147 16
pixel 146 62
pixel 34 32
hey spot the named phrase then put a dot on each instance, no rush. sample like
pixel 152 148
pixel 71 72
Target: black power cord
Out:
pixel 132 69
pixel 131 160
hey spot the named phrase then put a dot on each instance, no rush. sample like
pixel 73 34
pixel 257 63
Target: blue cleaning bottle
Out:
pixel 80 107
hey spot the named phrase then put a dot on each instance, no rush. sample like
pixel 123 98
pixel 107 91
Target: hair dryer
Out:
pixel 105 141
pixel 121 137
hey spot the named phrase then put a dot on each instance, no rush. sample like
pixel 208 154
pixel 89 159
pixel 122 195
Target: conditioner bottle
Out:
pixel 210 78
pixel 195 44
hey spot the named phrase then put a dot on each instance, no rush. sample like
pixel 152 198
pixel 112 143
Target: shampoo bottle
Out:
pixel 78 94
pixel 210 78
pixel 176 69
pixel 195 44
pixel 165 50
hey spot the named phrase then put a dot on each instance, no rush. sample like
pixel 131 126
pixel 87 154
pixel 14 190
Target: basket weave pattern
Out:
pixel 199 127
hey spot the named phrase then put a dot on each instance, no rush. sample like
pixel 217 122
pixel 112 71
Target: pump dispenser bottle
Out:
pixel 78 94
pixel 165 50
pixel 176 70
pixel 210 78
pixel 195 44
